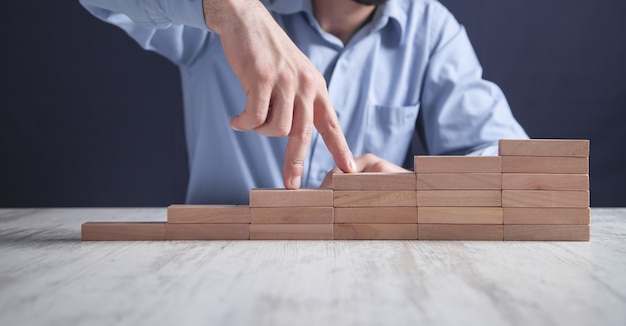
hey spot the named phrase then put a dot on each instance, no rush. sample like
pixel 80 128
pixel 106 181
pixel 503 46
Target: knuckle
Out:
pixel 304 135
pixel 258 117
pixel 282 131
pixel 308 79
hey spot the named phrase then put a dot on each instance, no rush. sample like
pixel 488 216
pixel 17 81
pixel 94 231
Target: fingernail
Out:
pixel 295 182
pixel 352 165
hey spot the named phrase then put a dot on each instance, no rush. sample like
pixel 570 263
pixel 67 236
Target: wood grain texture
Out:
pixel 460 215
pixel 457 164
pixel 537 164
pixel 459 181
pixel 376 215
pixel 122 231
pixel 208 214
pixel 544 147
pixel 541 215
pixel 546 233
pixel 291 231
pixel 189 231
pixel 486 232
pixel 527 181
pixel 375 231
pixel 291 215
pixel 374 198
pixel 374 181
pixel 459 198
pixel 291 198
pixel 544 198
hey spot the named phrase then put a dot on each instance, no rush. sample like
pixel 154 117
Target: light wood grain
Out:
pixel 471 232
pixel 188 231
pixel 122 231
pixel 546 232
pixel 542 215
pixel 292 215
pixel 529 181
pixel 459 198
pixel 374 181
pixel 457 164
pixel 291 198
pixel 544 147
pixel 208 214
pixel 291 231
pixel 374 198
pixel 537 164
pixel 544 198
pixel 460 215
pixel 459 181
pixel 376 215
pixel 375 232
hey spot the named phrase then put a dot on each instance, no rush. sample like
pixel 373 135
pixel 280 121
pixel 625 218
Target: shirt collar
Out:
pixel 392 15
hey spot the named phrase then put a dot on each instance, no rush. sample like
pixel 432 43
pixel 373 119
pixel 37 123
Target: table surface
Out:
pixel 48 276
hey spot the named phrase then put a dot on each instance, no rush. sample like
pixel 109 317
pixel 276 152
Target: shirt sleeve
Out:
pixel 173 28
pixel 462 113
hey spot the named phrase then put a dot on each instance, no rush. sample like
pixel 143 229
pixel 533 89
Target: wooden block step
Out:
pixel 487 232
pixel 122 231
pixel 526 181
pixel 291 198
pixel 291 215
pixel 457 164
pixel 291 231
pixel 208 214
pixel 459 215
pixel 541 215
pixel 374 181
pixel 375 232
pixel 459 181
pixel 349 198
pixel 546 232
pixel 545 198
pixel 544 147
pixel 537 164
pixel 376 215
pixel 189 231
pixel 459 198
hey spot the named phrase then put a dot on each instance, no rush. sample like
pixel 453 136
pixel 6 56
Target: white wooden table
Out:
pixel 47 276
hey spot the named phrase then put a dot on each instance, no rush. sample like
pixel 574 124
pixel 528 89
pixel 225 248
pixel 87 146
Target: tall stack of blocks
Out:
pixel 534 190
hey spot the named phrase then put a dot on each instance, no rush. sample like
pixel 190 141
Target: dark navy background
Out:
pixel 87 118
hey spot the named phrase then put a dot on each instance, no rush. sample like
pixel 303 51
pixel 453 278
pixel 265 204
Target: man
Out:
pixel 365 76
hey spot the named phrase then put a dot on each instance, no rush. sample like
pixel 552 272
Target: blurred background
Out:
pixel 87 118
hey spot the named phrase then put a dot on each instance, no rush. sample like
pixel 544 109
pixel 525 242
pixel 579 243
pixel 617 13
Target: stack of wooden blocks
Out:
pixel 534 190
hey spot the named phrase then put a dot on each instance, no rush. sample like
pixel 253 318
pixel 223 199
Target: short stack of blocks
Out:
pixel 534 190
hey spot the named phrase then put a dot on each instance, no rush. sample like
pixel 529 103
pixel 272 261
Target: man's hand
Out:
pixel 365 163
pixel 286 93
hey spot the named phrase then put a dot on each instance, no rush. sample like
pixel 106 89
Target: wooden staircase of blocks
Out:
pixel 534 190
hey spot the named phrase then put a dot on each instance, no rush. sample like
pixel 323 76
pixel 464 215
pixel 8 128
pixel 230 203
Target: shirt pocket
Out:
pixel 390 130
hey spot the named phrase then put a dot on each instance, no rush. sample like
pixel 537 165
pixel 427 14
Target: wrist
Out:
pixel 222 14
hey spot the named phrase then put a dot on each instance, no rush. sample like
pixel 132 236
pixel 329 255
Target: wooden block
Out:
pixel 292 215
pixel 537 164
pixel 376 215
pixel 291 198
pixel 460 215
pixel 459 181
pixel 487 232
pixel 122 231
pixel 544 198
pixel 546 232
pixel 374 198
pixel 374 181
pixel 526 181
pixel 187 231
pixel 375 232
pixel 544 147
pixel 208 214
pixel 456 198
pixel 541 215
pixel 291 231
pixel 457 164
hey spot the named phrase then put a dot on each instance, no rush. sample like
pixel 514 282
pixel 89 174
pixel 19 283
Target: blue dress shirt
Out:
pixel 412 68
